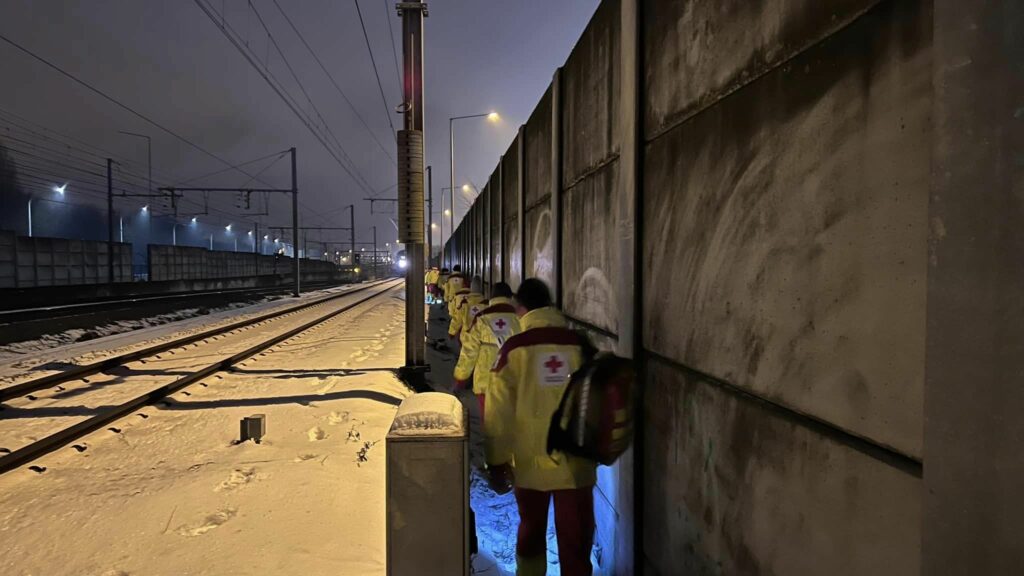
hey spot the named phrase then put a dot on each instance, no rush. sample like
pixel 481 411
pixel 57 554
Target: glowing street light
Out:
pixel 60 189
pixel 493 118
pixel 447 212
pixel 195 220
pixel 228 227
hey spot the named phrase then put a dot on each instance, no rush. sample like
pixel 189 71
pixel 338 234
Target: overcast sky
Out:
pixel 170 62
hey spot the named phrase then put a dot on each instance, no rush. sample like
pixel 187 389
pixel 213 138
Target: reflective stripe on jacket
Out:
pixel 529 376
pixel 488 331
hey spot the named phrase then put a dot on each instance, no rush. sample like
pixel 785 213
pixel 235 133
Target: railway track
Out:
pixel 17 325
pixel 178 363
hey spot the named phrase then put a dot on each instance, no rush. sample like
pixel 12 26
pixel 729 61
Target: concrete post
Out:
pixel 521 202
pixel 556 186
pixel 628 535
pixel 972 513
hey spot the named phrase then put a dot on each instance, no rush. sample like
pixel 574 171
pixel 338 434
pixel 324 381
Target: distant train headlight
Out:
pixel 403 263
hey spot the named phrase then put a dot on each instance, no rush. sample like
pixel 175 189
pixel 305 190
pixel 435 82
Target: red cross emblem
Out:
pixel 553 364
pixel 500 323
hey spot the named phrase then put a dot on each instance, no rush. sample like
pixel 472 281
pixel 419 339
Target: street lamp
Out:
pixel 491 117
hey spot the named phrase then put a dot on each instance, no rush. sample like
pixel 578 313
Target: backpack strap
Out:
pixel 536 336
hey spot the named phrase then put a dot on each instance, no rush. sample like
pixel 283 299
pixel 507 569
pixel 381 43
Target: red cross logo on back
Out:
pixel 553 364
pixel 501 323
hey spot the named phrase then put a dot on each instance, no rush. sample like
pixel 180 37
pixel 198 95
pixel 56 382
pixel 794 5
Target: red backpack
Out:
pixel 594 419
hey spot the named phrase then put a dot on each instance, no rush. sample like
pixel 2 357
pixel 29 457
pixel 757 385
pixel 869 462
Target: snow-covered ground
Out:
pixel 167 491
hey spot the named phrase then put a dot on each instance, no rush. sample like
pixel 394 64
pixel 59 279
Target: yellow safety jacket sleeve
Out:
pixel 500 416
pixel 455 311
pixel 467 356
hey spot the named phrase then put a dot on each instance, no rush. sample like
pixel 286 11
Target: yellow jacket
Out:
pixel 531 372
pixel 433 276
pixel 455 284
pixel 465 304
pixel 492 326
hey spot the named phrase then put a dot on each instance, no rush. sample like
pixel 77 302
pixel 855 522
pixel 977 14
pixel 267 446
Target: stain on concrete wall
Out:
pixel 786 231
pixel 736 489
pixel 699 50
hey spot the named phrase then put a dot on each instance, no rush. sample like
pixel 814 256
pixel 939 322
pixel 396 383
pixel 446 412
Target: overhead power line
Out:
pixel 116 102
pixel 387 110
pixel 232 35
pixel 394 51
pixel 333 81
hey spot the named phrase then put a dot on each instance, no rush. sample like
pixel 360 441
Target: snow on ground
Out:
pixel 53 352
pixel 167 492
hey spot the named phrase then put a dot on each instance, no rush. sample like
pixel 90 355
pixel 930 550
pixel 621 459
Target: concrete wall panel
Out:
pixel 496 226
pixel 537 186
pixel 786 231
pixel 732 488
pixel 588 250
pixel 590 96
pixel 696 51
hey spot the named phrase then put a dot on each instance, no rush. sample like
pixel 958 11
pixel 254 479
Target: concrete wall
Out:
pixel 743 197
pixel 192 263
pixel 27 262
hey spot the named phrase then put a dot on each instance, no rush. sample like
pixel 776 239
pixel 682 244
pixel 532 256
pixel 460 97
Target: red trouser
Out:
pixel 574 526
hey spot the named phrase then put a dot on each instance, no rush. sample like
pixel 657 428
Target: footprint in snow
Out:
pixel 336 418
pixel 316 433
pixel 218 518
pixel 238 479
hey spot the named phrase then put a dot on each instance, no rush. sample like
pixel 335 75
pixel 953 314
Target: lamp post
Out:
pixel 491 116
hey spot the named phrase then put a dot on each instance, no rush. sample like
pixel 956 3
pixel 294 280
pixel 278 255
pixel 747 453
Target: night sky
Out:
pixel 169 61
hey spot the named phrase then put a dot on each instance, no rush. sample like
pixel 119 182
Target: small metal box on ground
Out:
pixel 253 428
pixel 428 487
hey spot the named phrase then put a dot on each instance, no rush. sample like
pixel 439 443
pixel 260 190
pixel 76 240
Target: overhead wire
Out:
pixel 394 50
pixel 114 101
pixel 274 84
pixel 376 73
pixel 333 81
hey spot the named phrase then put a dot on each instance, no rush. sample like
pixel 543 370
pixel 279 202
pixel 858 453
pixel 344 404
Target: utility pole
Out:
pixel 295 224
pixel 352 235
pixel 110 221
pixel 410 189
pixel 430 215
pixel 376 257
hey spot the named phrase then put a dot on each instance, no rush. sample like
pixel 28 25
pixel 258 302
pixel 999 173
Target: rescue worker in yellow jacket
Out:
pixel 465 306
pixel 494 324
pixel 529 377
pixel 430 279
pixel 456 283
